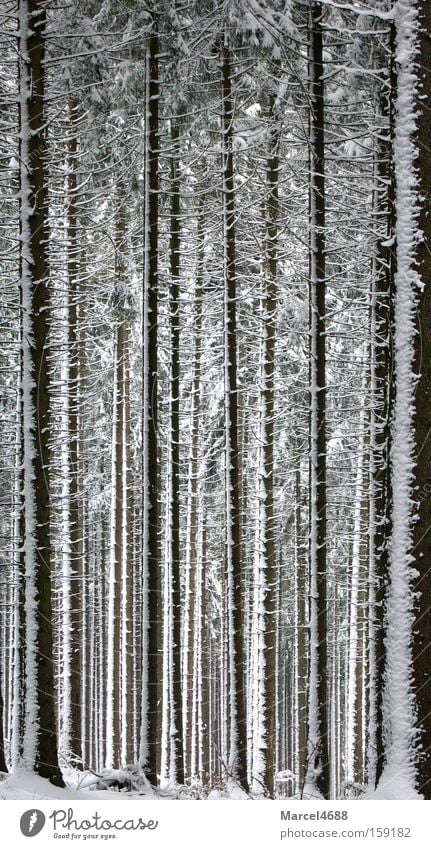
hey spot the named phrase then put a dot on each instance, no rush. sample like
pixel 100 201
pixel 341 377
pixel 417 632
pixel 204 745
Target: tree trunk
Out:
pixel 40 736
pixel 318 725
pixel 269 331
pixel 399 698
pixel 238 729
pixel 75 485
pixel 192 497
pixel 175 562
pixel 3 767
pixel 151 701
pixel 422 530
pixel 383 272
pixel 354 694
pixel 113 689
pixel 301 637
pixel 127 572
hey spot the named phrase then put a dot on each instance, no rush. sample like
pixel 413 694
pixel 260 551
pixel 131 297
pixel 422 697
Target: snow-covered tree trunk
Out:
pixel 264 682
pixel 40 735
pixel 398 777
pixel 150 727
pixel 65 699
pixel 192 497
pixel 127 609
pixel 203 691
pixel 267 445
pixel 421 533
pixel 318 724
pixel 237 706
pixel 166 749
pixel 381 390
pixel 176 719
pixel 3 767
pixel 74 442
pixel 118 695
pixel 113 678
pixel 17 673
pixel 71 692
pixel 196 706
pixel 354 696
pixel 301 639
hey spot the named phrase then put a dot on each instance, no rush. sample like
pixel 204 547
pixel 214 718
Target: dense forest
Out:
pixel 215 399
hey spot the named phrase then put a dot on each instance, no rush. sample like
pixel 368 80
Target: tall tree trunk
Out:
pixel 3 767
pixel 113 689
pixel 399 700
pixel 318 724
pixel 18 672
pixel 301 620
pixel 354 695
pixel 422 531
pixel 40 736
pixel 175 563
pixel 75 485
pixel 269 330
pixel 127 573
pixel 238 728
pixel 266 574
pixel 192 497
pixel 118 689
pixel 381 387
pixel 151 701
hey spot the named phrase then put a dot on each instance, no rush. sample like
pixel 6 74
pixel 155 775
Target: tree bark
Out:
pixel 384 267
pixel 40 736
pixel 3 767
pixel 422 529
pixel 175 559
pixel 301 636
pixel 318 723
pixel 192 497
pixel 238 728
pixel 75 485
pixel 150 734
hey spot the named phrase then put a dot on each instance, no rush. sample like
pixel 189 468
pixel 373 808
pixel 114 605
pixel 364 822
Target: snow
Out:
pixel 393 784
pixel 81 786
pixel 398 700
pixel 24 784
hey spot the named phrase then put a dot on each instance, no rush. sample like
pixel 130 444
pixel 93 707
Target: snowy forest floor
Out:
pixel 81 786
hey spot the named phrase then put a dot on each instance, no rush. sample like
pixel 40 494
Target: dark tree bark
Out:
pixel 301 579
pixel 152 726
pixel 129 606
pixel 116 522
pixel 382 386
pixel 176 707
pixel 192 507
pixel 269 331
pixel 40 737
pixel 422 528
pixel 75 485
pixel 318 714
pixel 3 767
pixel 238 733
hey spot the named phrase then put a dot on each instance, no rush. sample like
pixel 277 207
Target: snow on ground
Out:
pixel 393 785
pixel 84 786
pixel 23 784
